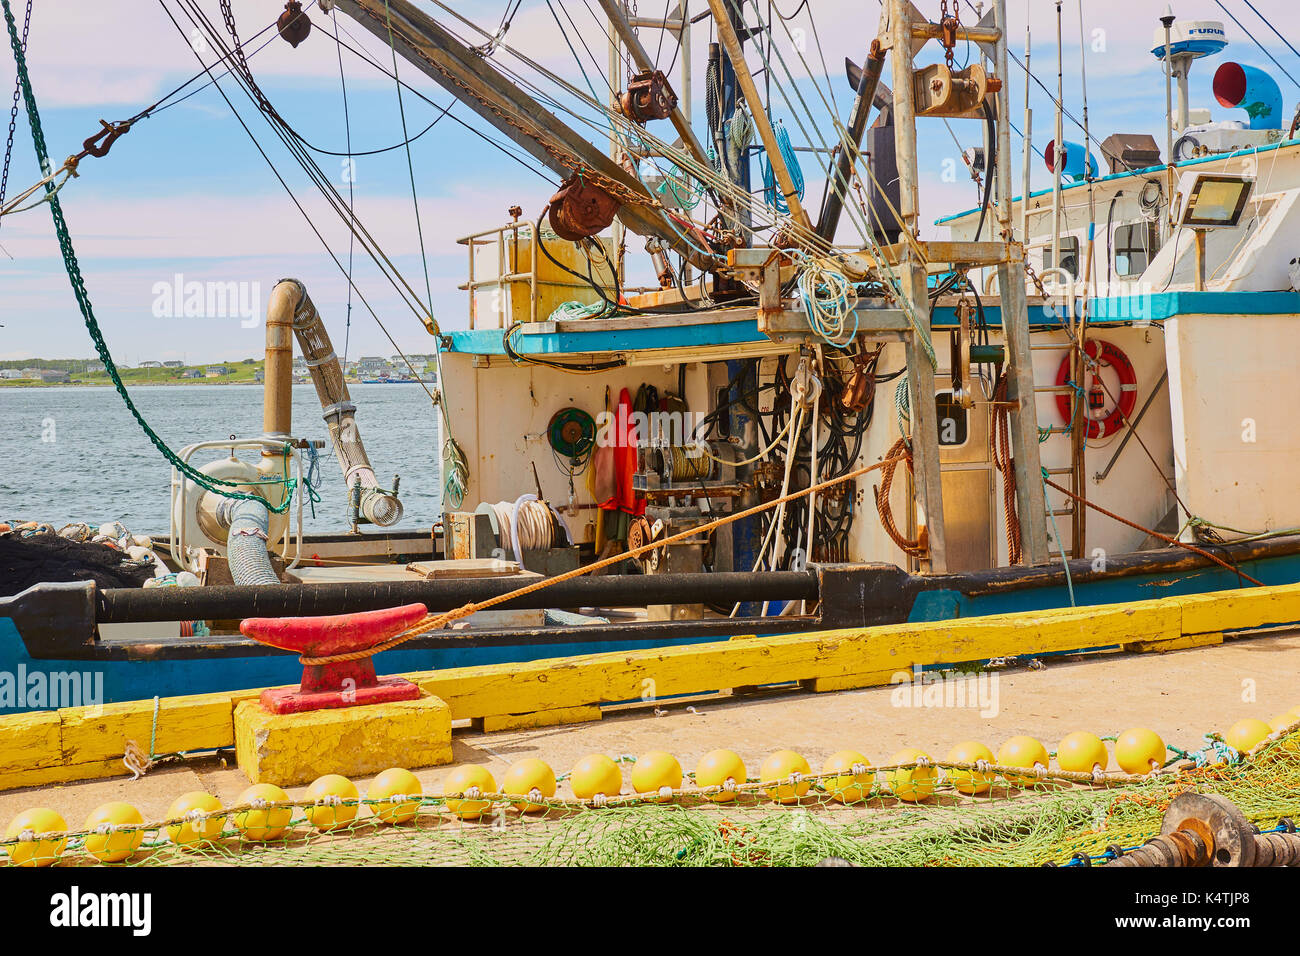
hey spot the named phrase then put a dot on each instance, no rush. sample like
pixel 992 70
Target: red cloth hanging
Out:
pixel 625 439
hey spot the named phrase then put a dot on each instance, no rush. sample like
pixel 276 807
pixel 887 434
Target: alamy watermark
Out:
pixel 26 689
pixel 179 299
pixel 652 429
pixel 946 689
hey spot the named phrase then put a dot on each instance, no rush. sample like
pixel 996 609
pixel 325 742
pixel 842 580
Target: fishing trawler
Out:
pixel 742 448
pixel 689 507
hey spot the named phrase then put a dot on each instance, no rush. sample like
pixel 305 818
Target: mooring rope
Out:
pixel 436 621
pixel 1155 534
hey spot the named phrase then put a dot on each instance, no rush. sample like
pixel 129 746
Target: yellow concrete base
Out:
pixel 539 718
pixel 1175 644
pixel 289 749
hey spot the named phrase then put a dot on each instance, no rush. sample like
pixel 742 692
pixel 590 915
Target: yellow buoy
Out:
pixel 778 768
pixel 1081 751
pixel 970 782
pixel 462 780
pixel 113 847
pixel 912 783
pixel 654 771
pixel 395 782
pixel 194 831
pixel 717 767
pixel 36 852
pixel 524 777
pixel 1139 750
pixel 1281 722
pixel 847 787
pixel 326 813
pixel 266 824
pixel 593 774
pixel 1245 734
pixel 1023 751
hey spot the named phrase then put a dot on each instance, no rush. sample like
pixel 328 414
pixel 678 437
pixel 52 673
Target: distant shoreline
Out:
pixel 29 383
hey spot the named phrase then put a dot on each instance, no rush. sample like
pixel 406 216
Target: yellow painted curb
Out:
pixel 78 743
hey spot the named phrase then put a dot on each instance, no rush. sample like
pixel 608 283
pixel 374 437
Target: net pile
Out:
pixel 1049 822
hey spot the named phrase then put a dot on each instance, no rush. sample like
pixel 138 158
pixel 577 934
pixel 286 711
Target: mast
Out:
pixel 1058 151
pixel 1031 494
pixel 1027 161
pixel 730 23
pixel 912 275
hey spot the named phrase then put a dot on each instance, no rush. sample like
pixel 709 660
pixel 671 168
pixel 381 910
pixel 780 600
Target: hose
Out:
pixel 246 543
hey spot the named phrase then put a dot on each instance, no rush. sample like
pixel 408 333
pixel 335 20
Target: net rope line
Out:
pixel 436 621
pixel 865 777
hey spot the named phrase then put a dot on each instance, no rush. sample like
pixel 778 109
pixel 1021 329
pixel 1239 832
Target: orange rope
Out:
pixel 436 621
pixel 1155 534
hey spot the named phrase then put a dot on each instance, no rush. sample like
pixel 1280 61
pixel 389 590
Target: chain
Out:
pixel 13 111
pixel 1033 277
pixel 949 23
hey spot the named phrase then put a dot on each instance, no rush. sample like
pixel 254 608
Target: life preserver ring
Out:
pixel 1104 353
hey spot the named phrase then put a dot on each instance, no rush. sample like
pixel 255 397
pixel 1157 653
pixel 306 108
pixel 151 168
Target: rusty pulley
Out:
pixel 581 209
pixel 649 96
pixel 294 25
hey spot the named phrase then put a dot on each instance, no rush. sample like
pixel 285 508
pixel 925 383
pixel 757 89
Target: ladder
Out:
pixel 1074 471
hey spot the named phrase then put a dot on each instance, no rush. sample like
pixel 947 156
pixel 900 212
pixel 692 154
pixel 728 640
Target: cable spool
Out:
pixel 686 463
pixel 571 433
pixel 526 524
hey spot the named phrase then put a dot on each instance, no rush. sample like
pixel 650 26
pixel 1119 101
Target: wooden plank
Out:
pixel 201 722
pixel 606 678
pixel 1239 609
pixel 540 718
pixel 1175 644
pixel 823 685
pixel 29 740
pixel 48 776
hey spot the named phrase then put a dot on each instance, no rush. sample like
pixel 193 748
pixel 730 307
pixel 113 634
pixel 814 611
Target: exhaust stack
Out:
pixel 290 305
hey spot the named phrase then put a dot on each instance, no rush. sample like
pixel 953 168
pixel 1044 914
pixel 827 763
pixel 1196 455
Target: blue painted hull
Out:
pixel 46 683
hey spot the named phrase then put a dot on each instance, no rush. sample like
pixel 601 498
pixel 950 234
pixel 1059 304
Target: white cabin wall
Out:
pixel 1136 487
pixel 499 415
pixel 1230 373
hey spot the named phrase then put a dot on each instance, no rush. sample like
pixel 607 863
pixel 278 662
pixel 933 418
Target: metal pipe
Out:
pixel 1132 427
pixel 133 605
pixel 277 385
pixel 851 145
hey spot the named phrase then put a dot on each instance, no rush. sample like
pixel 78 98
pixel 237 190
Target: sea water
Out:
pixel 76 454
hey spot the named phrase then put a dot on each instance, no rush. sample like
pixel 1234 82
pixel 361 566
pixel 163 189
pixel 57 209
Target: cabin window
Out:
pixel 1135 245
pixel 1069 256
pixel 954 426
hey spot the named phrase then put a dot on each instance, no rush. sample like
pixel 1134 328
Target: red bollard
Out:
pixel 342 684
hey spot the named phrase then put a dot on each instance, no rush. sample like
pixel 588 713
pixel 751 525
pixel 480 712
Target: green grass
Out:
pixel 242 372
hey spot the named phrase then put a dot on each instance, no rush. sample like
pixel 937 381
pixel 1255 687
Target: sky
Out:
pixel 186 197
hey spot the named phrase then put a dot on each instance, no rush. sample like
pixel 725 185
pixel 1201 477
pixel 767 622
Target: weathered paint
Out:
pixel 91 739
pixel 289 749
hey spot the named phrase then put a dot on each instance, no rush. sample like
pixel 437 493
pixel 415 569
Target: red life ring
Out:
pixel 1104 354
